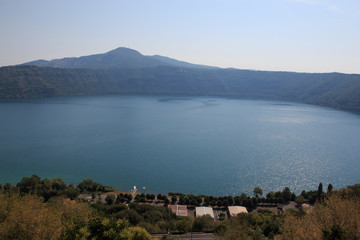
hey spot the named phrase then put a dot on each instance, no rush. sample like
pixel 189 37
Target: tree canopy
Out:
pixel 258 191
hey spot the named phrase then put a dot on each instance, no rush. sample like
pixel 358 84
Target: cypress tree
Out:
pixel 320 190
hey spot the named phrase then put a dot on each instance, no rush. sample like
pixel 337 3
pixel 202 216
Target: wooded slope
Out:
pixel 336 90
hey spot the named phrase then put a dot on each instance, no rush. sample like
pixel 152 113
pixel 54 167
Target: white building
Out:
pixel 202 211
pixel 179 210
pixel 235 210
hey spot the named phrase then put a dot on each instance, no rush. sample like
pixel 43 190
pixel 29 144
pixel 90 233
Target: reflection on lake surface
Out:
pixel 198 145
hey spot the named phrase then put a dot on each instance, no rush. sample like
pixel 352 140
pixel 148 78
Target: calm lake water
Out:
pixel 198 145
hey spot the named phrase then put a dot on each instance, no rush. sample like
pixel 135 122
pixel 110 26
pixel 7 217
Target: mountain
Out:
pixel 126 71
pixel 176 63
pixel 117 58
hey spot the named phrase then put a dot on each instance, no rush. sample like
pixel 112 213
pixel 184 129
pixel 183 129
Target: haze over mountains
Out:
pixel 127 71
pixel 117 58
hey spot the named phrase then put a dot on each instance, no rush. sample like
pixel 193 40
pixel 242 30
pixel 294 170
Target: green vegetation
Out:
pixel 264 225
pixel 335 216
pixel 89 186
pixel 204 224
pixel 28 217
pixel 42 209
pixel 326 89
pixel 258 191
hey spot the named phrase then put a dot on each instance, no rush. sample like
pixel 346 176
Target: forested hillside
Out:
pixel 336 90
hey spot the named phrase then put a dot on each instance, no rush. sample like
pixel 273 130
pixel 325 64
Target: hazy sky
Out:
pixel 285 35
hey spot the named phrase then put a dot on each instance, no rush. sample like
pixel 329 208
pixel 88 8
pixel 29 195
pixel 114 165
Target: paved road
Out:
pixel 190 236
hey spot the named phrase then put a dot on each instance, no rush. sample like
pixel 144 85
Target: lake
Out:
pixel 197 145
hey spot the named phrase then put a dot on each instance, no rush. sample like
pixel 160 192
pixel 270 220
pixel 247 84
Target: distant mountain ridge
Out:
pixel 118 58
pixel 126 71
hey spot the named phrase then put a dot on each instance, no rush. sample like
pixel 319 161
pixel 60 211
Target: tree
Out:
pixel 231 200
pixel 270 195
pixel 183 225
pixel 286 194
pixel 88 185
pixel 58 184
pixel 278 194
pixel 115 208
pixel 204 224
pixel 243 197
pixel 299 200
pixel 128 197
pixel 131 215
pixel 71 192
pixel 320 190
pixel 258 191
pixel 140 198
pixel 8 187
pixel 336 218
pixel 353 190
pixel 110 199
pixel 29 184
pixel 262 226
pixel 74 218
pixel 120 198
pixel 135 233
pixel 160 197
pixel 150 197
pixel 28 217
pixel 194 202
pixel 237 200
pixel 330 188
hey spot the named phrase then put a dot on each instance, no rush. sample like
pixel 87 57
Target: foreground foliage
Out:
pixel 28 217
pixel 336 216
pixel 44 209
pixel 264 225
